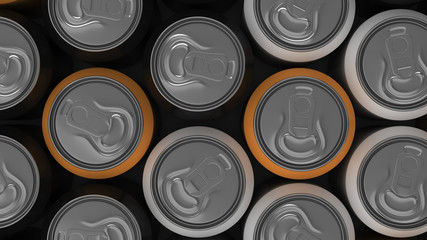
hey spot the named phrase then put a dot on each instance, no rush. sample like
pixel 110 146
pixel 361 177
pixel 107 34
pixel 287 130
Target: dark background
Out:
pixel 134 64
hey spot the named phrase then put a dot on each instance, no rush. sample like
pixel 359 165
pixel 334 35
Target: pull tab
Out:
pixel 291 223
pixel 301 136
pixel 108 129
pixel 12 193
pixel 113 228
pixel 404 81
pixel 295 20
pixel 81 13
pixel 188 189
pixel 403 196
pixel 187 62
pixel 14 70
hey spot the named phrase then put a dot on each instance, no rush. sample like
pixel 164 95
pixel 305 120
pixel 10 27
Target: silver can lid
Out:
pixel 301 25
pixel 19 63
pixel 94 217
pixel 392 63
pixel 95 25
pixel 95 123
pixel 198 181
pixel 301 123
pixel 19 181
pixel 197 64
pixel 392 183
pixel 301 217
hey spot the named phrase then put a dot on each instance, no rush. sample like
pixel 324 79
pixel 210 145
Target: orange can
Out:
pixel 299 123
pixel 98 123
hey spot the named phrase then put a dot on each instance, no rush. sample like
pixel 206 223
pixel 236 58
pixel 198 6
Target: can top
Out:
pixel 197 64
pixel 19 63
pixel 95 25
pixel 94 217
pixel 392 63
pixel 98 123
pixel 199 180
pixel 301 123
pixel 19 181
pixel 392 182
pixel 301 25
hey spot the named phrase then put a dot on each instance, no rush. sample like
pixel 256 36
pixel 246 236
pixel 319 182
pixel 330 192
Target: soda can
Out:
pixel 385 67
pixel 25 65
pixel 298 211
pixel 385 181
pixel 100 212
pixel 25 181
pixel 198 67
pixel 198 182
pixel 98 123
pixel 98 30
pixel 299 31
pixel 299 123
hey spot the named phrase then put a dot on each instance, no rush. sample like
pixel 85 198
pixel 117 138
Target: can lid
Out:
pixel 299 30
pixel 19 181
pixel 300 122
pixel 392 182
pixel 197 64
pixel 98 123
pixel 95 25
pixel 19 63
pixel 299 211
pixel 392 63
pixel 94 217
pixel 199 181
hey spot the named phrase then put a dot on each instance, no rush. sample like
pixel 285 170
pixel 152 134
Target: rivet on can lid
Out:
pixel 19 181
pixel 94 217
pixel 19 63
pixel 197 64
pixel 95 25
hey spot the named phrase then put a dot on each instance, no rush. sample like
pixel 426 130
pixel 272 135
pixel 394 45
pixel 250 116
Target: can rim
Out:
pixel 352 76
pixel 36 178
pixel 351 180
pixel 158 47
pixel 247 172
pixel 291 55
pixel 292 189
pixel 249 123
pixel 36 64
pixel 90 197
pixel 146 135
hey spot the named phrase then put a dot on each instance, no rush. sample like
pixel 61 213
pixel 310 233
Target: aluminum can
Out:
pixel 299 123
pixel 299 30
pixel 385 67
pixel 198 67
pixel 25 69
pixel 98 123
pixel 298 211
pixel 98 30
pixel 198 182
pixel 385 181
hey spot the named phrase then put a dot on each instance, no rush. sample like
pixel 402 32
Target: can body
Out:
pixel 384 65
pixel 98 31
pixel 199 67
pixel 299 123
pixel 198 182
pixel 384 181
pixel 25 65
pixel 98 123
pixel 299 31
pixel 298 211
pixel 98 211
pixel 26 180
